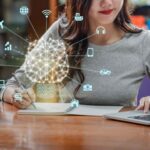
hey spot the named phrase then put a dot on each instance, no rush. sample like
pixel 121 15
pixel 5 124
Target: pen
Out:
pixel 22 87
pixel 74 104
pixel 70 108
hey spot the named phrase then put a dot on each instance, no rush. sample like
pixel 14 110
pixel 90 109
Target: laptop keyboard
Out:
pixel 141 117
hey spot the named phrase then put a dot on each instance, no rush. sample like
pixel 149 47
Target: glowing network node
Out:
pixel 74 103
pixel 90 52
pixel 2 84
pixel 100 30
pixel 87 87
pixel 18 97
pixel 47 63
pixel 8 46
pixel 105 72
pixel 24 10
pixel 2 24
pixel 78 17
pixel 46 13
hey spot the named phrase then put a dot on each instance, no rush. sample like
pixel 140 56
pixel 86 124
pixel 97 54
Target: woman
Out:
pixel 112 74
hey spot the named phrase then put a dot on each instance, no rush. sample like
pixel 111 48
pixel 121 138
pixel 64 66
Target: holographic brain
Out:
pixel 47 62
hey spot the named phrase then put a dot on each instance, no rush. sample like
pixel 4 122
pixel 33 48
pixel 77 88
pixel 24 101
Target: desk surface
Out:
pixel 69 133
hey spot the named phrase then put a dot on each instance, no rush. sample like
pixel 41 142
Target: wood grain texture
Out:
pixel 53 5
pixel 25 132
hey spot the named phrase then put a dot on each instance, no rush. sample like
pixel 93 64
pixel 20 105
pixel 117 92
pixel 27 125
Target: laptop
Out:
pixel 138 117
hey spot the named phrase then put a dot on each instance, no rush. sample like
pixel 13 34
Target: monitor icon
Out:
pixel 87 88
pixel 2 84
pixel 78 17
pixel 90 52
pixel 8 46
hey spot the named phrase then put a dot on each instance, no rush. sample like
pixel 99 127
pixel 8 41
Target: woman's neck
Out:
pixel 113 34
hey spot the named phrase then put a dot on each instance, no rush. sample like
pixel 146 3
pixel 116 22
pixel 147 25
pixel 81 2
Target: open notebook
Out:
pixel 60 109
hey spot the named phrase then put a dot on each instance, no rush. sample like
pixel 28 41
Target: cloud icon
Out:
pixel 105 72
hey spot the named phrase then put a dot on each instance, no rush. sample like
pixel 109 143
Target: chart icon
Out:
pixel 8 46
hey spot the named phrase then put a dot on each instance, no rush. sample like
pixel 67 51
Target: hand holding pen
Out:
pixel 23 97
pixel 74 104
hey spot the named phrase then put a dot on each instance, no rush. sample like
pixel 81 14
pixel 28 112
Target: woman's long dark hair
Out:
pixel 77 31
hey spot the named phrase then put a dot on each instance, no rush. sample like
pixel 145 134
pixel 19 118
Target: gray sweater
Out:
pixel 113 73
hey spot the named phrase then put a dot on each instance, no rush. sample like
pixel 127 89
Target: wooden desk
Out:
pixel 25 132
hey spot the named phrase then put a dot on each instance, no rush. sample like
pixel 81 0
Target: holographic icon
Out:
pixel 105 72
pixel 90 52
pixel 87 88
pixel 47 62
pixel 2 24
pixel 46 13
pixel 2 84
pixel 45 91
pixel 78 17
pixel 17 97
pixel 74 103
pixel 100 30
pixel 24 10
pixel 8 46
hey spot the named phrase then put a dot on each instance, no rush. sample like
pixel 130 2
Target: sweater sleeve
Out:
pixel 146 53
pixel 20 73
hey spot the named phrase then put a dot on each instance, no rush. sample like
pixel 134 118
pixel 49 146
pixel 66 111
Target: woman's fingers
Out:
pixel 31 94
pixel 141 105
pixel 23 98
pixel 22 104
pixel 144 104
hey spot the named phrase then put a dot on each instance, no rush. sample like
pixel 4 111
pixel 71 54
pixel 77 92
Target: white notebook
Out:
pixel 60 109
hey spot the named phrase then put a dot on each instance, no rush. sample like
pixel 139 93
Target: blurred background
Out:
pixel 22 21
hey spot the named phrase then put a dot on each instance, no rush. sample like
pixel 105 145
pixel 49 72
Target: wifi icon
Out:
pixel 46 13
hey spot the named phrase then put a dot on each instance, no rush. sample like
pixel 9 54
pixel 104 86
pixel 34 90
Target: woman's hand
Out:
pixel 144 104
pixel 19 98
pixel 23 98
